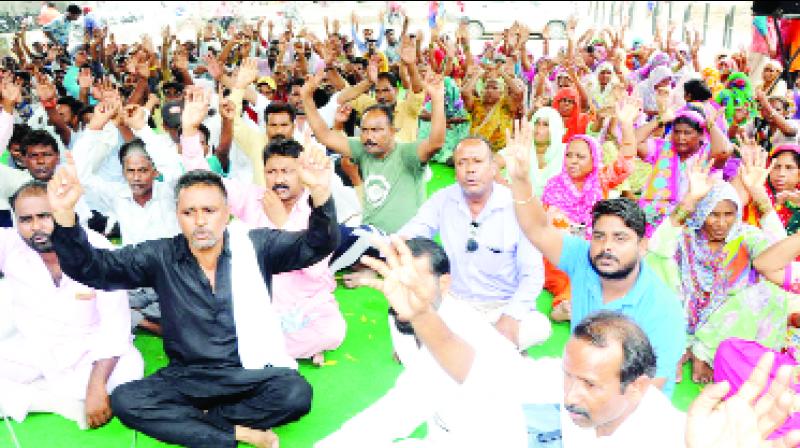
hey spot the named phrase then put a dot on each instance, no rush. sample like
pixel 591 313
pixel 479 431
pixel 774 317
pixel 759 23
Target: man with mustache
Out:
pixel 303 299
pixel 229 377
pixel 607 271
pixel 72 344
pixel 144 207
pixel 602 392
pixel 496 270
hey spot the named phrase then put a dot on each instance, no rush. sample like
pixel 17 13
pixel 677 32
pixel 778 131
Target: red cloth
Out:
pixel 577 122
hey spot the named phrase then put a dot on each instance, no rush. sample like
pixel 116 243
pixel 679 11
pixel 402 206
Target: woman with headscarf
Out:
pixel 660 77
pixel 568 103
pixel 602 84
pixel 705 252
pixel 457 121
pixel 493 112
pixel 772 84
pixel 570 196
pixel 546 162
pixel 781 186
pixel 692 136
pixel 657 59
pixel 738 101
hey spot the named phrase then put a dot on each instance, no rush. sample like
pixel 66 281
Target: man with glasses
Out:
pixel 495 269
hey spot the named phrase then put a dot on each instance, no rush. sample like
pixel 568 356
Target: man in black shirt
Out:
pixel 223 383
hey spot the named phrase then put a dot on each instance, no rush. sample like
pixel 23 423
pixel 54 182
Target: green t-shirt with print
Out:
pixel 393 186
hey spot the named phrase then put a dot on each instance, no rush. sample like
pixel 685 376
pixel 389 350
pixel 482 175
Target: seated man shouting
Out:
pixel 72 344
pixel 229 377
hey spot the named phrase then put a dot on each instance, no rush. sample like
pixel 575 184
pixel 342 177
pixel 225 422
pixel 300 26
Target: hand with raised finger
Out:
pixel 195 108
pixel 700 179
pixel 628 109
pixel 518 147
pixel 134 117
pixel 63 191
pixel 410 290
pixel 248 72
pixel 316 167
pixel 343 113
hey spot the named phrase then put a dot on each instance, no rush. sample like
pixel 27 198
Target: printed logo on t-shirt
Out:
pixel 376 189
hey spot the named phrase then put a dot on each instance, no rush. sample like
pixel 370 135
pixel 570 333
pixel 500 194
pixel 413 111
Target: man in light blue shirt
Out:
pixel 494 267
pixel 607 272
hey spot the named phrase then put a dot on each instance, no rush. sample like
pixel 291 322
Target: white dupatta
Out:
pixel 258 328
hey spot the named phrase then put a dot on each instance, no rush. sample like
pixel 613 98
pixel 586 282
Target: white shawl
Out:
pixel 258 328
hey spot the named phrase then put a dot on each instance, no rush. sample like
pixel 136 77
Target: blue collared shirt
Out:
pixel 505 266
pixel 650 303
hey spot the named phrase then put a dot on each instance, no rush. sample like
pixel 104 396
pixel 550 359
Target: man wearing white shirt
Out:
pixel 480 409
pixel 605 380
pixel 144 207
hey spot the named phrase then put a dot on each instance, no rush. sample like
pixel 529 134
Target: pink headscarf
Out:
pixel 561 192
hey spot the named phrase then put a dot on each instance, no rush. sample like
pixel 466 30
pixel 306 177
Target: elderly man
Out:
pixel 603 386
pixel 496 270
pixel 229 378
pixel 72 344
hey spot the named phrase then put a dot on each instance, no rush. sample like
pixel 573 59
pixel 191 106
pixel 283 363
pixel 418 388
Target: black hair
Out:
pixel 590 49
pixel 21 130
pixel 88 109
pixel 697 89
pixel 203 130
pixel 794 154
pixel 638 356
pixel 388 77
pixel 74 105
pixel 200 177
pixel 321 97
pixel 689 122
pixel 419 247
pixel 38 137
pixel 279 146
pixel 295 82
pixel 74 9
pixel 29 188
pixel 625 209
pixel 385 108
pixel 134 145
pixel 360 61
pixel 279 107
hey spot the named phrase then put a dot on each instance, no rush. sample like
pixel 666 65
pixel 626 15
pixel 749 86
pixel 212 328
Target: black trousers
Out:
pixel 154 406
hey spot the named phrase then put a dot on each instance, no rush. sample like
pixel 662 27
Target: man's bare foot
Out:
pixel 257 437
pixel 679 373
pixel 701 372
pixel 318 359
pixel 150 326
pixel 353 279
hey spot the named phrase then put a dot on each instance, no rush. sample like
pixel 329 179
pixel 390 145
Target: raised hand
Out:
pixel 343 113
pixel 103 113
pixel 85 78
pixel 315 165
pixel 134 117
pixel 518 149
pixel 45 90
pixel 195 107
pixel 746 419
pixel 180 61
pixel 754 171
pixel 312 83
pixel 409 288
pixel 628 109
pixel 227 109
pixel 372 70
pixel 248 72
pixel 408 51
pixel 434 85
pixel 700 179
pixel 12 94
pixel 63 191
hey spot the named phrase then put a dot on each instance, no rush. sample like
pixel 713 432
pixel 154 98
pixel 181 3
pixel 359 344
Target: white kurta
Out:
pixel 59 332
